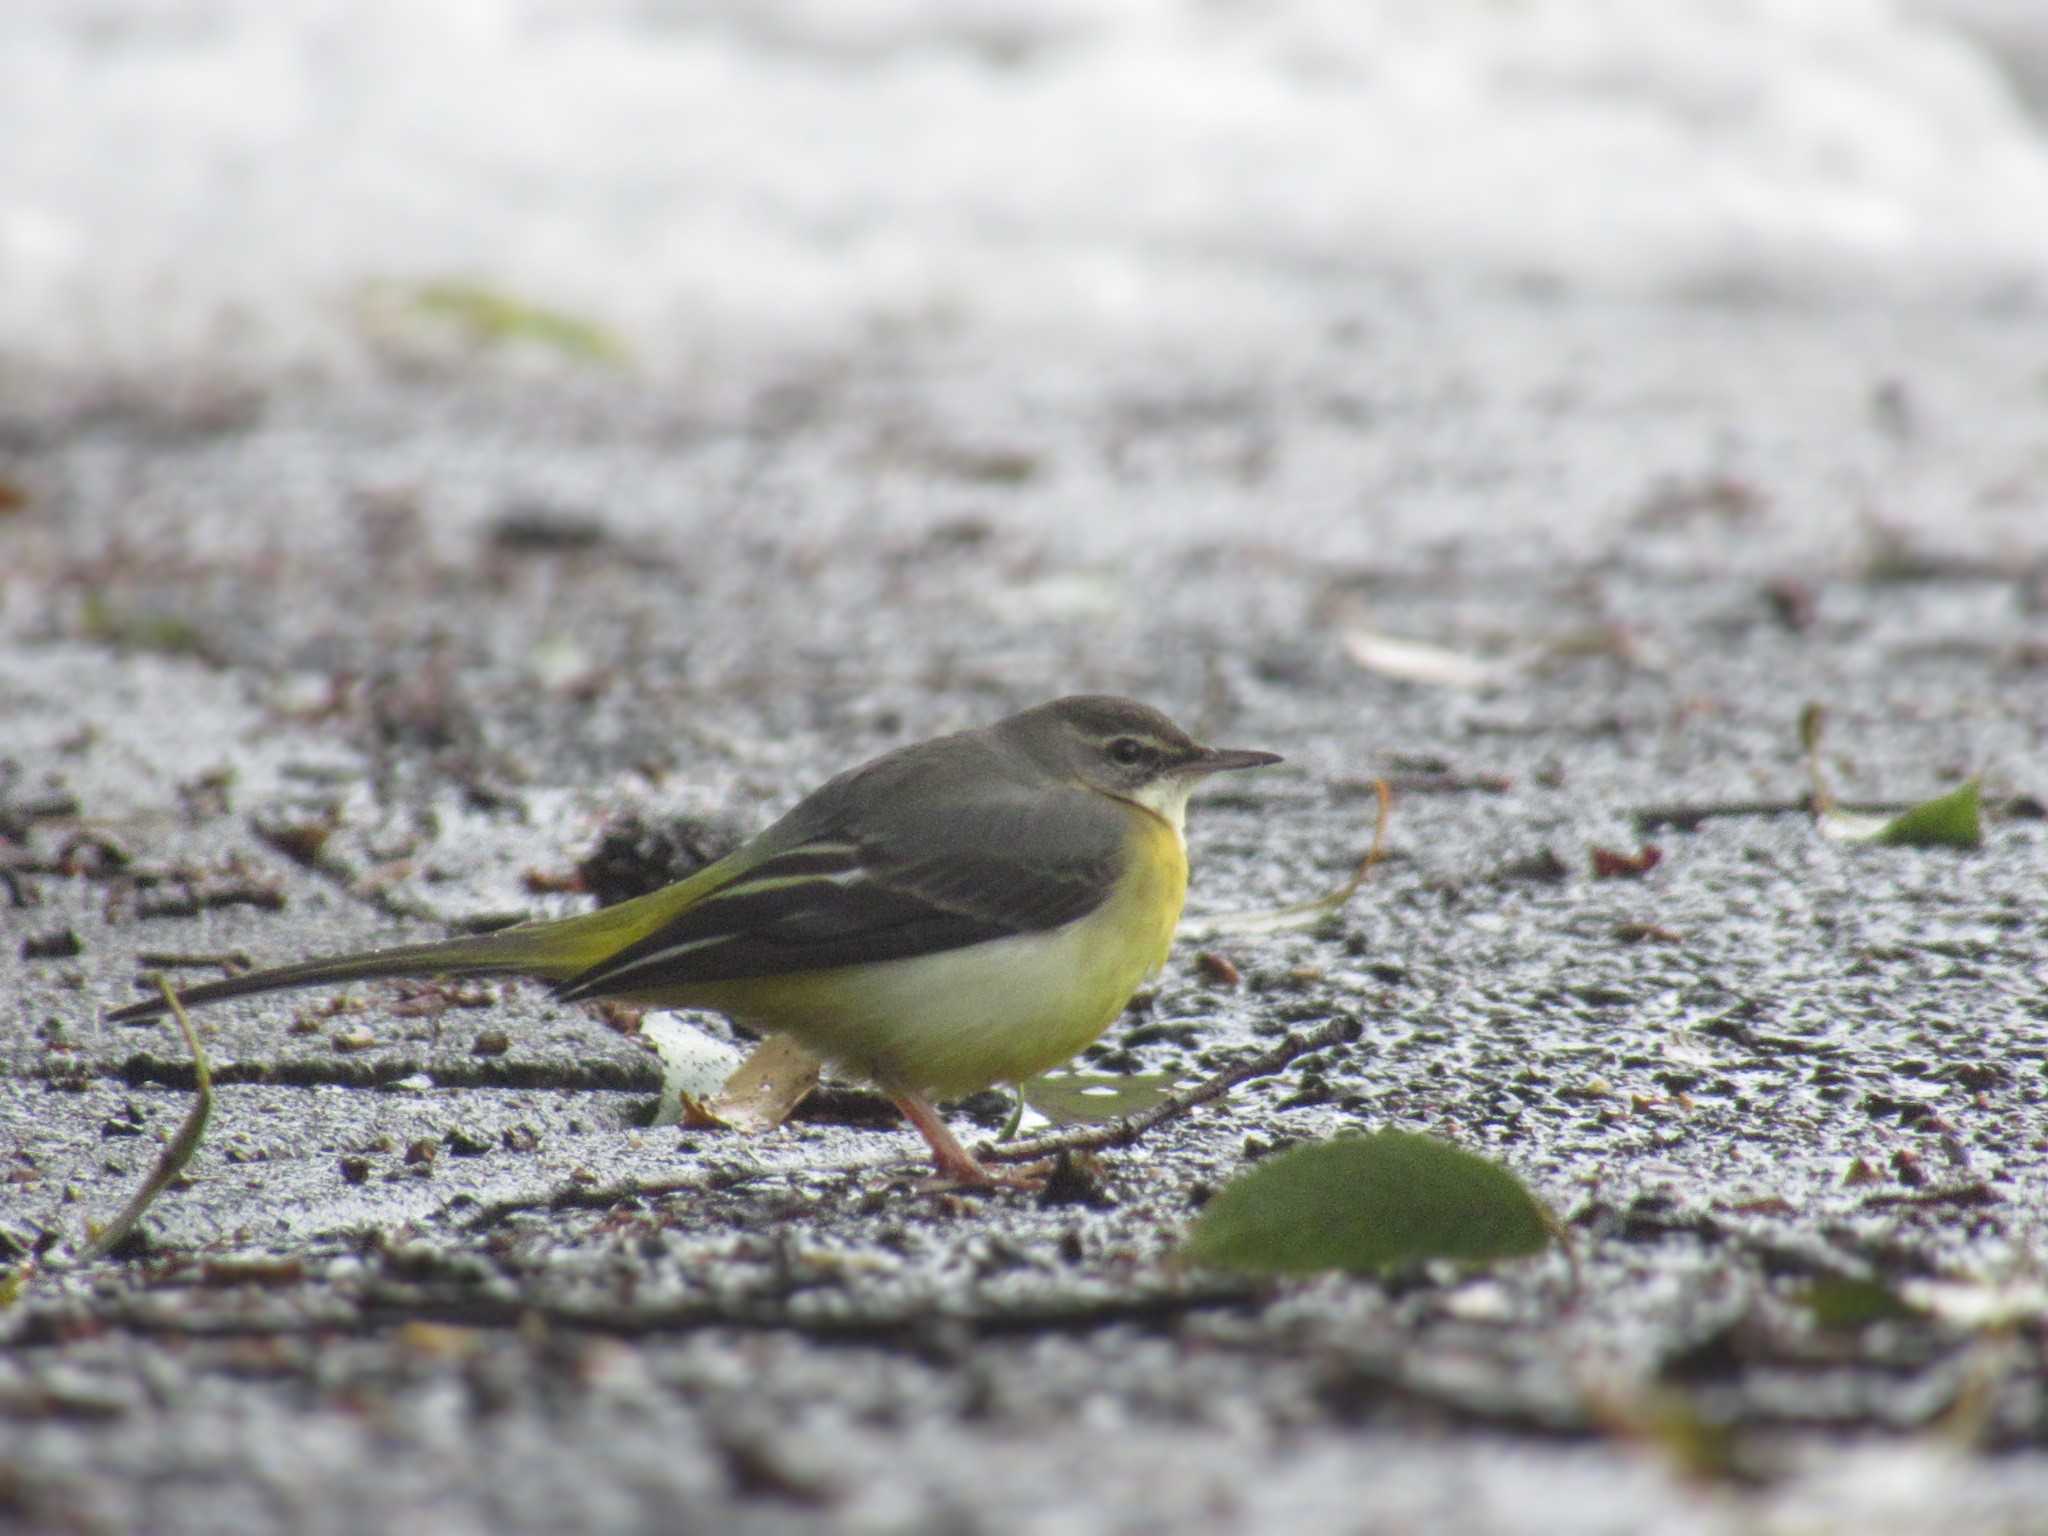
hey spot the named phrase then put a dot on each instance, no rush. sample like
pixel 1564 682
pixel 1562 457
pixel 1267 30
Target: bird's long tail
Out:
pixel 451 957
pixel 545 951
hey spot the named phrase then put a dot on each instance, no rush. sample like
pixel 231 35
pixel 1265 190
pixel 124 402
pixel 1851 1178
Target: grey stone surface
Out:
pixel 305 611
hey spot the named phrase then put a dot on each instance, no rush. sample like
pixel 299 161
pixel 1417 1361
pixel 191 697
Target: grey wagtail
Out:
pixel 965 911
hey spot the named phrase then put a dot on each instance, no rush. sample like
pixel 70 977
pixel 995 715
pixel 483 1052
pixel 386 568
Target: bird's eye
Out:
pixel 1127 751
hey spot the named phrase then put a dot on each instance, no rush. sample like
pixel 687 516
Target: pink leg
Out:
pixel 955 1161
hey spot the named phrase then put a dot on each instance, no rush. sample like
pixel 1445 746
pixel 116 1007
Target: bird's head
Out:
pixel 1123 748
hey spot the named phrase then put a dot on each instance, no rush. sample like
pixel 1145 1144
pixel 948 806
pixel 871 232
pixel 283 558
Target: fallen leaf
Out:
pixel 769 1084
pixel 1610 865
pixel 1953 820
pixel 693 1065
pixel 1436 666
pixel 1365 1203
pixel 1841 1302
pixel 1642 932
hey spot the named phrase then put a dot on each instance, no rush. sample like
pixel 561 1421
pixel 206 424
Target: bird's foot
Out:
pixel 959 1168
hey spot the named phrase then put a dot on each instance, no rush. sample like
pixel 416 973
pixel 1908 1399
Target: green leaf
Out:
pixel 1366 1203
pixel 1949 821
pixel 487 317
pixel 1841 1302
pixel 494 316
pixel 1081 1098
pixel 1016 1121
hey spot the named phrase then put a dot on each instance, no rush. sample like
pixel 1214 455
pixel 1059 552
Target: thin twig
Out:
pixel 174 960
pixel 1812 721
pixel 601 1197
pixel 1685 815
pixel 1121 1133
pixel 172 1160
pixel 1303 914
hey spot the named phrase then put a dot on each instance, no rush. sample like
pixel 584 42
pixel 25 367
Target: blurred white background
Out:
pixel 220 178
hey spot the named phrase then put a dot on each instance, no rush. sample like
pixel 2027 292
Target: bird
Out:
pixel 960 912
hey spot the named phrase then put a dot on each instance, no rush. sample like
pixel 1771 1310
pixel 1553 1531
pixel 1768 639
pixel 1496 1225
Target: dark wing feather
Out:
pixel 951 870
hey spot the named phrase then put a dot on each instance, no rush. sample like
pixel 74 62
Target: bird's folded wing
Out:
pixel 938 880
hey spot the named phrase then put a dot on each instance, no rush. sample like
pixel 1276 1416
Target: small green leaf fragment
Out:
pixel 160 634
pixel 1082 1098
pixel 1367 1203
pixel 486 316
pixel 1952 820
pixel 1844 1303
pixel 1016 1121
pixel 1705 1450
pixel 493 316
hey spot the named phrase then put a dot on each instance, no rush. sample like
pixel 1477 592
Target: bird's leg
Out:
pixel 955 1161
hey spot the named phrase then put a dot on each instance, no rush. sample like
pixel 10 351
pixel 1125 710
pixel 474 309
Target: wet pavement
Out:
pixel 296 666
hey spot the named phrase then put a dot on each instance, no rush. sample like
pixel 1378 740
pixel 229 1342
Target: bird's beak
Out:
pixel 1224 759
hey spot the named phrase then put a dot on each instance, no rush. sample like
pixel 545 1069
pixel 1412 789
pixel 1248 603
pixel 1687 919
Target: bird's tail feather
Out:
pixel 450 957
pixel 546 951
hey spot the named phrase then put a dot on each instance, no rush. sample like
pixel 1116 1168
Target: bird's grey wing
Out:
pixel 946 873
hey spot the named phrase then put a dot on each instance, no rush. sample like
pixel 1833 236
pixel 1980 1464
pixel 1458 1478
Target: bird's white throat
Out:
pixel 1167 798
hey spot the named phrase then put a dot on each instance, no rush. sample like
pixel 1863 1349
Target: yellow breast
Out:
pixel 954 1022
